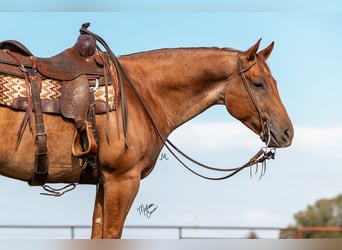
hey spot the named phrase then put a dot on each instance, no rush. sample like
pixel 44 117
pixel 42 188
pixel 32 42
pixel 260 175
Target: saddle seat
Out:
pixel 68 65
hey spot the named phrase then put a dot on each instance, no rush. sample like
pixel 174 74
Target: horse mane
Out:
pixel 163 50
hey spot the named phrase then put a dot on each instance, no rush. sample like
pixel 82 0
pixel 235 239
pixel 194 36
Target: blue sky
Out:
pixel 306 63
pixel 176 5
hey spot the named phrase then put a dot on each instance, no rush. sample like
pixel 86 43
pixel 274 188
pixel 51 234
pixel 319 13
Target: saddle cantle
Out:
pixel 15 46
pixel 76 70
pixel 82 58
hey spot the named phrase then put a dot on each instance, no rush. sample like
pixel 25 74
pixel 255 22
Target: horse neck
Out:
pixel 178 84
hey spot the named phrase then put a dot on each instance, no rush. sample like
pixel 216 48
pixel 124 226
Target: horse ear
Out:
pixel 265 53
pixel 250 54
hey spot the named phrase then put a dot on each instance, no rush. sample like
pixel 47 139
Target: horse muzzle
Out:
pixel 276 136
pixel 280 138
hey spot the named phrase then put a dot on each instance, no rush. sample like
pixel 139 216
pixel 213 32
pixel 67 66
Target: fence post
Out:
pixel 180 233
pixel 72 232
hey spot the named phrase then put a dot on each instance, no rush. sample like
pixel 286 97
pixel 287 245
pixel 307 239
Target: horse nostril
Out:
pixel 287 133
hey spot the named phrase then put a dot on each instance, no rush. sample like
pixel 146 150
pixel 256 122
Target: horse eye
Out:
pixel 258 85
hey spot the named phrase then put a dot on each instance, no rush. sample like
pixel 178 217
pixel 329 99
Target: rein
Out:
pixel 265 153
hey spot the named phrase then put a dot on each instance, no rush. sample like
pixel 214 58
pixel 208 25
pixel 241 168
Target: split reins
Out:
pixel 265 153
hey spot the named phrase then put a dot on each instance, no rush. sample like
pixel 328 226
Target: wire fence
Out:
pixel 141 232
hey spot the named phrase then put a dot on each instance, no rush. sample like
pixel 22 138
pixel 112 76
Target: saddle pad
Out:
pixel 12 87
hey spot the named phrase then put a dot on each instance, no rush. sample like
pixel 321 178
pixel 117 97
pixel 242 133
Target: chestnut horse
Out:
pixel 175 85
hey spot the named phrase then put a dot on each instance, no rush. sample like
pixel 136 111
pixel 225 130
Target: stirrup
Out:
pixel 92 148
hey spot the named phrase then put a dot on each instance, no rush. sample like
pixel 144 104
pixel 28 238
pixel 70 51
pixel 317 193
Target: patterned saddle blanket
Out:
pixel 13 94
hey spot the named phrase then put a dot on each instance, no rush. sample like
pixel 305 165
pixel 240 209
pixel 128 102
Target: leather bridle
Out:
pixel 265 133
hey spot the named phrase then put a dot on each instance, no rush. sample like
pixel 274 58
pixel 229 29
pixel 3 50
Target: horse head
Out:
pixel 252 97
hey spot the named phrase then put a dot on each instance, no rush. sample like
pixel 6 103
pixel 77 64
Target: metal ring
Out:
pixel 96 85
pixel 22 68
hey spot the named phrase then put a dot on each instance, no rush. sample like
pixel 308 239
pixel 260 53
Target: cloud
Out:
pixel 224 136
pixel 215 136
pixel 259 217
pixel 322 140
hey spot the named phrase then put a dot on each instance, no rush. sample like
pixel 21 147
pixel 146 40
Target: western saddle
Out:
pixel 79 69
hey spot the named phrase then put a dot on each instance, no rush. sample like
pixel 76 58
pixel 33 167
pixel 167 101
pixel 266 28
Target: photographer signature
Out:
pixel 147 210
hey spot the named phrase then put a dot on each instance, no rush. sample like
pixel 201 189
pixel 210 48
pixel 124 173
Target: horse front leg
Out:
pixel 97 225
pixel 113 202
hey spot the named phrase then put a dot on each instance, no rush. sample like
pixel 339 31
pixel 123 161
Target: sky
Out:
pixel 305 62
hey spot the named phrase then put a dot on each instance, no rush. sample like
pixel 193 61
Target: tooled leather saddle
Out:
pixel 78 71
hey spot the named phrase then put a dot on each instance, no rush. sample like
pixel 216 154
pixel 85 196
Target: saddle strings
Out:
pixel 27 117
pixel 84 30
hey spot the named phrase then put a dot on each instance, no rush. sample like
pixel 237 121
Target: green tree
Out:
pixel 324 213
